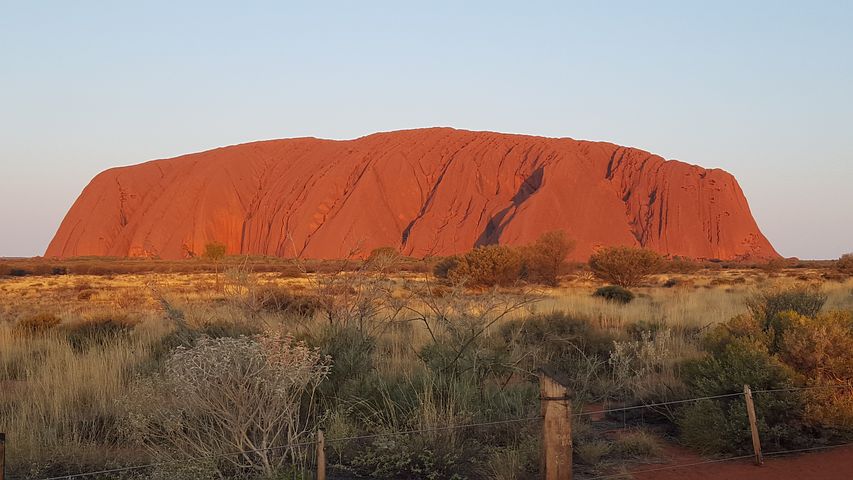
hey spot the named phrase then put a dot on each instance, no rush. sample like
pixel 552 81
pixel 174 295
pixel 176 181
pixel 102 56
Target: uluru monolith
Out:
pixel 434 191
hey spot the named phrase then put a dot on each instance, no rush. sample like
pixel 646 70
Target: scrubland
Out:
pixel 118 369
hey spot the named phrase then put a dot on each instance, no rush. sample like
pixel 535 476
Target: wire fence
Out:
pixel 495 423
pixel 294 445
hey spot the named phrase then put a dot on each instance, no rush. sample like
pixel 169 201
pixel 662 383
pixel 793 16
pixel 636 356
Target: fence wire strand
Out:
pixel 658 404
pixel 797 389
pixel 492 423
pixel 436 429
pixel 293 445
pixel 171 462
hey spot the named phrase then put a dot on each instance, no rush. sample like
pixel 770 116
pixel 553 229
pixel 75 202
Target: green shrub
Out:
pixel 766 306
pixel 720 425
pixel 625 266
pixel 614 293
pixel 557 335
pixel 570 344
pixel 353 356
pixel 400 457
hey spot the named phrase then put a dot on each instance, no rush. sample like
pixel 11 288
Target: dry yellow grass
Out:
pixel 52 395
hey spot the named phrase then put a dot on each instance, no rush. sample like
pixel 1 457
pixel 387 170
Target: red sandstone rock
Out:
pixel 432 191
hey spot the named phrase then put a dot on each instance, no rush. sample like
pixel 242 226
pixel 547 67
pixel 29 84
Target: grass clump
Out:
pixel 98 330
pixel 615 293
pixel 637 444
pixel 592 453
pixel 38 323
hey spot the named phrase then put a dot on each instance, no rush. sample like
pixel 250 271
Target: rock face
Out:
pixel 432 191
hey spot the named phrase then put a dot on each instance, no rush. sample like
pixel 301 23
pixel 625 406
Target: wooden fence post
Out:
pixel 2 456
pixel 753 425
pixel 557 427
pixel 321 456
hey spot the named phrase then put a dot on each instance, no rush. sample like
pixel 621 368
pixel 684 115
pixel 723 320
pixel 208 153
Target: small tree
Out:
pixel 546 258
pixel 383 258
pixel 625 266
pixel 215 252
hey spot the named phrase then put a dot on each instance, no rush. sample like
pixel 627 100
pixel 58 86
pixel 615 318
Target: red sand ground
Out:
pixel 834 464
pixel 432 191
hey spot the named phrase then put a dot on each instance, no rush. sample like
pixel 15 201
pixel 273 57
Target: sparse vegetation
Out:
pixel 99 376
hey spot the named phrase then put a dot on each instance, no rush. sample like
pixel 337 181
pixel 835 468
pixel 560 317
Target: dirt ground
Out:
pixel 833 464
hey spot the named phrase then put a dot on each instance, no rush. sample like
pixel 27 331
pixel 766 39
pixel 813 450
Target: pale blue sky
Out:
pixel 761 89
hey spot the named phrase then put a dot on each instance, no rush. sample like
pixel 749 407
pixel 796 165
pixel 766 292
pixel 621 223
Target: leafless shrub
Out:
pixel 456 320
pixel 226 395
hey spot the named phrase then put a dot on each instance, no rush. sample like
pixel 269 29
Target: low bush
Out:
pixel 721 425
pixel 383 258
pixel 625 266
pixel 444 266
pixel 400 457
pixel 593 452
pixel 269 383
pixel 539 262
pixel 488 266
pixel 641 328
pixel 557 335
pixel 98 330
pixel 806 301
pixel 40 322
pixel 614 293
pixel 681 265
pixel 845 264
pixel 352 352
pixel 785 342
pixel 545 259
pixel 273 298
pixel 637 444
pixel 86 294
